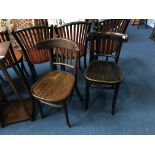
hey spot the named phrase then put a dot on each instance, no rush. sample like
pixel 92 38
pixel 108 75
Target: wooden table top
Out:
pixel 4 46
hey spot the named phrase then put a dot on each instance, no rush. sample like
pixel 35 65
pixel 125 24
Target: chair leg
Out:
pixel 78 92
pixel 80 64
pixel 85 61
pixel 24 68
pixel 33 72
pixel 66 115
pixel 87 95
pixel 1 119
pixel 40 108
pixel 115 98
pixel 33 116
pixel 2 106
pixel 2 79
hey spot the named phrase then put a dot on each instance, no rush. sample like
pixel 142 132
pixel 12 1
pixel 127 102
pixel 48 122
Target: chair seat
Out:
pixel 18 55
pixel 103 72
pixel 54 87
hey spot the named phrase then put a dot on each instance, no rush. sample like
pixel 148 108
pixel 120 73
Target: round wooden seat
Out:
pixel 103 72
pixel 55 86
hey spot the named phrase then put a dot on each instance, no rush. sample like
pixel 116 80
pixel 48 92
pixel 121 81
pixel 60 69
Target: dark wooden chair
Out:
pixel 77 32
pixel 104 73
pixel 27 38
pixel 113 25
pixel 16 55
pixel 56 87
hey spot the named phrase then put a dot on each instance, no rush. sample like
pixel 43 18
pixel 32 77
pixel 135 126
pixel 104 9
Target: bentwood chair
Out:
pixel 104 72
pixel 16 55
pixel 77 32
pixel 56 87
pixel 27 38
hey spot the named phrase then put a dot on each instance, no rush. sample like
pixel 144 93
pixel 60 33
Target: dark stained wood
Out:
pixel 106 43
pixel 104 72
pixel 41 22
pixel 77 32
pixel 27 39
pixel 14 112
pixel 56 87
pixel 16 55
pixel 4 48
pixel 113 25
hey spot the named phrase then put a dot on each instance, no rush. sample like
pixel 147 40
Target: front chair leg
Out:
pixel 78 92
pixel 33 115
pixel 87 95
pixel 24 68
pixel 80 64
pixel 40 109
pixel 115 98
pixel 85 61
pixel 66 115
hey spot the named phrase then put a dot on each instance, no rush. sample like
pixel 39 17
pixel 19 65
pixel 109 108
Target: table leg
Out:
pixel 11 83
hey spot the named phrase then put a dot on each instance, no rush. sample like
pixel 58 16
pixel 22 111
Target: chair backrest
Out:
pixel 113 25
pixel 75 31
pixel 4 36
pixel 106 44
pixel 41 22
pixel 63 52
pixel 27 38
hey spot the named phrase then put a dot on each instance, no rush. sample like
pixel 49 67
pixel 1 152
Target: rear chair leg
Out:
pixel 66 115
pixel 115 98
pixel 40 109
pixel 87 95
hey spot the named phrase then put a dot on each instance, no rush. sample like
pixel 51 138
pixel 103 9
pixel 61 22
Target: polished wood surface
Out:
pixel 14 111
pixel 103 72
pixel 57 86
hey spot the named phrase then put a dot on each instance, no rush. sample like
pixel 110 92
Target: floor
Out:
pixel 135 110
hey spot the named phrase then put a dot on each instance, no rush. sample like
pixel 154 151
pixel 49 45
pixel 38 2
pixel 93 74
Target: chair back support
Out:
pixel 75 31
pixel 106 44
pixel 4 36
pixel 63 52
pixel 28 37
pixel 41 22
pixel 113 25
